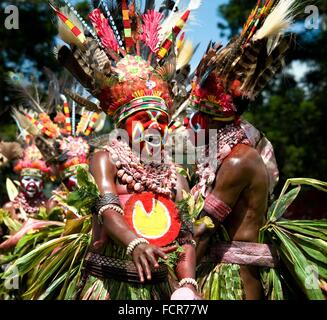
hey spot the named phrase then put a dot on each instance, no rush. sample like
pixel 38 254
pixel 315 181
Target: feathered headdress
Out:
pixel 32 163
pixel 61 140
pixel 238 72
pixel 129 59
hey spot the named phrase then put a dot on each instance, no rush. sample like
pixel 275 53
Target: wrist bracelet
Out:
pixel 187 241
pixel 108 201
pixel 109 207
pixel 112 207
pixel 191 281
pixel 133 244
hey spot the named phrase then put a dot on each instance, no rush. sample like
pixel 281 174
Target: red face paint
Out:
pixel 149 126
pixel 31 186
pixel 196 122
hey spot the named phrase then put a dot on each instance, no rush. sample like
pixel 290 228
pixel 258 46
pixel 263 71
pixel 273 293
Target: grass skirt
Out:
pixel 220 282
pixel 95 288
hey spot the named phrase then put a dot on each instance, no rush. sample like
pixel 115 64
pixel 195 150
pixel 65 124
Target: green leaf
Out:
pixel 321 224
pixel 318 184
pixel 49 290
pixel 56 213
pixel 11 190
pixel 297 264
pixel 277 291
pixel 315 248
pixel 279 206
pixel 55 265
pixel 198 205
pixel 69 272
pixel 74 225
pixel 304 229
pixel 184 173
pixel 12 224
pixel 29 261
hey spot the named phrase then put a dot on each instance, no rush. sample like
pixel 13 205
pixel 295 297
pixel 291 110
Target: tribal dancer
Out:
pixel 33 170
pixel 63 143
pixel 61 140
pixel 136 223
pixel 135 211
pixel 233 177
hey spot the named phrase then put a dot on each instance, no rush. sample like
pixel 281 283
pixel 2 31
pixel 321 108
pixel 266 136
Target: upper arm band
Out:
pixel 216 208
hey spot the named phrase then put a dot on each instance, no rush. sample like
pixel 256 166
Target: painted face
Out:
pixel 31 186
pixel 197 122
pixel 149 127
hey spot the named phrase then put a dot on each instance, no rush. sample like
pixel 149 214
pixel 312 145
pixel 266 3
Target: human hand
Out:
pixel 146 255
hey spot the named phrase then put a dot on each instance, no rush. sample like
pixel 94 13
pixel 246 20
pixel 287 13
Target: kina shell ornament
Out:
pixel 153 217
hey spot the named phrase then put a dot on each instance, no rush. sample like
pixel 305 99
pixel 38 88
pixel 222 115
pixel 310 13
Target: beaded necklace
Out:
pixel 223 142
pixel 159 178
pixel 30 206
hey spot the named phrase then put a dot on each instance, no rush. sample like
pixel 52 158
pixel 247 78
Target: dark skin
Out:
pixel 242 183
pixel 114 226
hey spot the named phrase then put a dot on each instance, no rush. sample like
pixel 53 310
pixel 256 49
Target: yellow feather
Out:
pixel 65 33
pixel 185 54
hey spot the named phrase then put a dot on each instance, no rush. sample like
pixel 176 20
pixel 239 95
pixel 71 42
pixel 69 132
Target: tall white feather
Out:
pixel 168 25
pixel 170 22
pixel 194 4
pixel 278 20
pixel 65 33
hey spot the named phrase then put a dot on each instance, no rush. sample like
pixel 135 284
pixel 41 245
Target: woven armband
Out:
pixel 106 202
pixel 216 208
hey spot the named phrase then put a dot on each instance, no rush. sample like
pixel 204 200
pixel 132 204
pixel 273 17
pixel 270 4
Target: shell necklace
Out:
pixel 159 178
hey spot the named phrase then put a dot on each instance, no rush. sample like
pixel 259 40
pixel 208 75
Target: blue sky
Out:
pixel 203 27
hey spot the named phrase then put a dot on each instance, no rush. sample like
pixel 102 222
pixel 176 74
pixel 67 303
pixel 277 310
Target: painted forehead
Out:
pixel 152 114
pixel 155 114
pixel 31 177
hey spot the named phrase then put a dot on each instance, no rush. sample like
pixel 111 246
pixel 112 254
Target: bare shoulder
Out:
pixel 245 159
pixel 242 167
pixel 100 158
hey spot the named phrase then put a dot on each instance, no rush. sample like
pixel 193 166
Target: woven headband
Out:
pixel 213 109
pixel 138 104
pixel 31 172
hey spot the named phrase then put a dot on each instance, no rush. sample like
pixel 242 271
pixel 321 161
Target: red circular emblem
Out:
pixel 153 217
